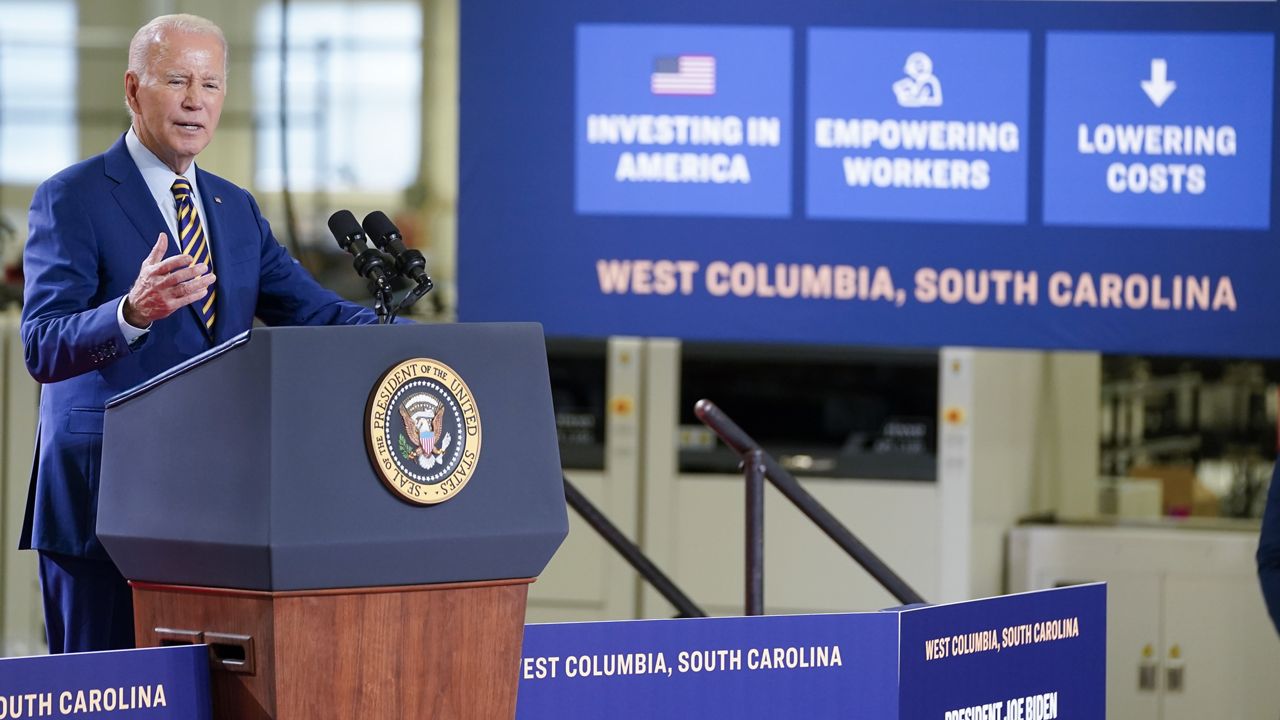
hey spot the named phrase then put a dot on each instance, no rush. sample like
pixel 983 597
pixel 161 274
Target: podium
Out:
pixel 240 497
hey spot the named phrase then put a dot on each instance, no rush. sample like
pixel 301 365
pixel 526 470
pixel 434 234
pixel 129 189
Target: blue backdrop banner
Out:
pixel 1069 175
pixel 1038 655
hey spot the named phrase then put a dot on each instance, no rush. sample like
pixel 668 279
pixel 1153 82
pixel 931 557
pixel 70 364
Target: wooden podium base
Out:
pixel 412 652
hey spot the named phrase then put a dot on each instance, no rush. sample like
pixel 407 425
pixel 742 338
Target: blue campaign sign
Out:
pixel 1033 656
pixel 756 668
pixel 921 125
pixel 1037 655
pixel 153 683
pixel 1159 129
pixel 683 120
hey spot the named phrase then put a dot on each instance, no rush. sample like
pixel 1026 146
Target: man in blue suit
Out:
pixel 121 286
pixel 1268 555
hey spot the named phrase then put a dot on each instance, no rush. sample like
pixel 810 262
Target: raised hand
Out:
pixel 164 285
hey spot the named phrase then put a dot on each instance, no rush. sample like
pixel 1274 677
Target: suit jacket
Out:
pixel 1269 550
pixel 91 227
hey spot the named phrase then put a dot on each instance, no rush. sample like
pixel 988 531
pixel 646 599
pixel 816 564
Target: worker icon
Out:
pixel 921 87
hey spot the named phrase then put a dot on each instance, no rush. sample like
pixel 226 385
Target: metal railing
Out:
pixel 630 552
pixel 758 466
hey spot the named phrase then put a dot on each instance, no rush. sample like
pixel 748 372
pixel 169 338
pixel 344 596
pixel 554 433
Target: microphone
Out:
pixel 384 233
pixel 367 261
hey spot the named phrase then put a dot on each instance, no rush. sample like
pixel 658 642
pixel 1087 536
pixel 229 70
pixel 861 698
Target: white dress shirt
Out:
pixel 159 178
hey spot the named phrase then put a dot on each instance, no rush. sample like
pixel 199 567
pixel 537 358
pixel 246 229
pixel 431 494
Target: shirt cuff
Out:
pixel 131 333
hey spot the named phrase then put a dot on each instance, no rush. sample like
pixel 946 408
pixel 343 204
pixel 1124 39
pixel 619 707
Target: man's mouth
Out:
pixel 190 126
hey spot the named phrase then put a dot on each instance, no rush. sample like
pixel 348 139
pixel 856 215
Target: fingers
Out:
pixel 166 284
pixel 168 265
pixel 164 301
pixel 157 252
pixel 182 275
pixel 191 291
pixel 200 286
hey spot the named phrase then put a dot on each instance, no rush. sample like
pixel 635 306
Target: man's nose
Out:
pixel 192 100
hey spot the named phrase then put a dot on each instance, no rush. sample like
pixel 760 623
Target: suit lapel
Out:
pixel 220 228
pixel 133 195
pixel 139 205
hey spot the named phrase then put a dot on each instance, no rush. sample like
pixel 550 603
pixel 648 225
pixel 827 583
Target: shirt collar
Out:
pixel 158 176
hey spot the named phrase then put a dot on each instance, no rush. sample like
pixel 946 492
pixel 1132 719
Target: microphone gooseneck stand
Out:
pixel 379 267
pixel 408 262
pixel 414 295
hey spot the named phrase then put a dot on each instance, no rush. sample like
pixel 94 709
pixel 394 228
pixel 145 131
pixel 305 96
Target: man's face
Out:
pixel 918 66
pixel 178 100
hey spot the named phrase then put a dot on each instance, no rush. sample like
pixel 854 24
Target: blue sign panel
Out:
pixel 800 666
pixel 921 125
pixel 683 120
pixel 1158 129
pixel 1033 656
pixel 154 683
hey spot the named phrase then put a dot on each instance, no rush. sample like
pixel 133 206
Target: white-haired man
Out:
pixel 121 286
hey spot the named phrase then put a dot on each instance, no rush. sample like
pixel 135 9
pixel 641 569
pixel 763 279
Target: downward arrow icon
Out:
pixel 1159 87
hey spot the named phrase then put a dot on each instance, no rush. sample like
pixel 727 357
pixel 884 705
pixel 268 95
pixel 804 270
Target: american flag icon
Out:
pixel 684 75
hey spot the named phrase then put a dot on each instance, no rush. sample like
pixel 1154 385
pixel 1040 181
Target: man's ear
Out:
pixel 131 90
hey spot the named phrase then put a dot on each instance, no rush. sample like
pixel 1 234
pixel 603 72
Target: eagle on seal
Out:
pixel 415 435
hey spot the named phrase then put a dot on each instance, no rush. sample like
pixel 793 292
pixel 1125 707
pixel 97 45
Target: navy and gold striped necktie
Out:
pixel 193 241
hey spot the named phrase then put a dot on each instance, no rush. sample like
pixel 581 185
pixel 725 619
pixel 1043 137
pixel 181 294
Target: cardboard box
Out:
pixel 1183 493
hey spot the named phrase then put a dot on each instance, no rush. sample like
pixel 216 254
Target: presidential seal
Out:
pixel 422 430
